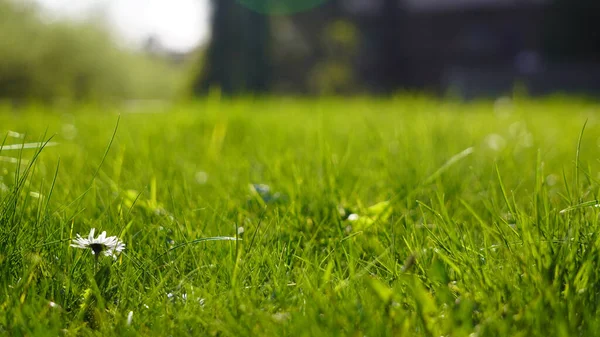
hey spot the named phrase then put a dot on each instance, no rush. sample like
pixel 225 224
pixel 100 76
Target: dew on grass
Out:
pixel 201 177
pixel 495 142
pixel 173 297
pixel 69 131
pixel 518 131
pixel 36 195
pixel 281 316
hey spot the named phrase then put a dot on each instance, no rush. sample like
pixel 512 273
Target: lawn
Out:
pixel 290 217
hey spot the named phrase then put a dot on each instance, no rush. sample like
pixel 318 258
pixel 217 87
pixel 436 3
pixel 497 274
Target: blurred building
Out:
pixel 469 47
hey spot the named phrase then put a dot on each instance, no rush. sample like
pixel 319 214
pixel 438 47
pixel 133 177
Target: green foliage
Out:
pixel 279 7
pixel 409 217
pixel 72 61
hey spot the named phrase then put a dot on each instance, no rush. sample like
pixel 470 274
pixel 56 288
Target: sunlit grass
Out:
pixel 358 217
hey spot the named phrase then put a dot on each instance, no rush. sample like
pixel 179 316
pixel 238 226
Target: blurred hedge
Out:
pixel 46 61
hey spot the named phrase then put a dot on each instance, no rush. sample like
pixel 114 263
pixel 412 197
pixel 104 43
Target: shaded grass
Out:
pixel 459 229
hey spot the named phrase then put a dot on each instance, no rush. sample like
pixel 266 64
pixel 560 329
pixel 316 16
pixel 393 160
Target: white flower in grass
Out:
pixel 129 318
pixel 109 246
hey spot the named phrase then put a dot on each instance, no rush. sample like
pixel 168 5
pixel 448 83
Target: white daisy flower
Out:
pixel 109 246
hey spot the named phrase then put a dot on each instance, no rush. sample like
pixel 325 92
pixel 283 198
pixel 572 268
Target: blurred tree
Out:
pixel 70 61
pixel 237 59
pixel 280 6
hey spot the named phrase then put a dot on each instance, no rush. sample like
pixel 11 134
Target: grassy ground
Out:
pixel 407 217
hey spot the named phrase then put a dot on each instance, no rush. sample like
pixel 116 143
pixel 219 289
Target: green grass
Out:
pixel 459 230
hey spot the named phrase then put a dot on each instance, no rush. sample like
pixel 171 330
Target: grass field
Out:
pixel 358 217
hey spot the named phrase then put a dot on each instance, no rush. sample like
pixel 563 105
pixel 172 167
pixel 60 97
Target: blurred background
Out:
pixel 114 50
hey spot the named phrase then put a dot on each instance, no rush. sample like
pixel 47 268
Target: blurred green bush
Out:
pixel 72 61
